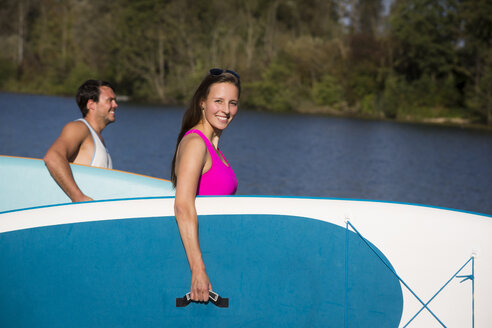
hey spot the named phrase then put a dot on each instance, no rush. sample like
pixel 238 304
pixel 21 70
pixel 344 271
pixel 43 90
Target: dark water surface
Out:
pixel 289 154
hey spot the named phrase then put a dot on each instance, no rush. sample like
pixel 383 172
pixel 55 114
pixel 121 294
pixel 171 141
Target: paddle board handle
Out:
pixel 212 296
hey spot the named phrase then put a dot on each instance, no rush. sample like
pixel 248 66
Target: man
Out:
pixel 80 141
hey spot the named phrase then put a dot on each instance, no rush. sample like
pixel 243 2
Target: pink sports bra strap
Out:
pixel 210 147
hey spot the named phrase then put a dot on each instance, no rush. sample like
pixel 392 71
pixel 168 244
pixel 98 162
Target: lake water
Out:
pixel 284 154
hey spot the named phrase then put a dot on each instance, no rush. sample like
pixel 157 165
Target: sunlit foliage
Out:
pixel 417 59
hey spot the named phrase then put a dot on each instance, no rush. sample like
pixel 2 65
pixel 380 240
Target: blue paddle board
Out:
pixel 26 182
pixel 284 261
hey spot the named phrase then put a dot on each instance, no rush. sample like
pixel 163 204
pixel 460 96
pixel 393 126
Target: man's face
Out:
pixel 106 106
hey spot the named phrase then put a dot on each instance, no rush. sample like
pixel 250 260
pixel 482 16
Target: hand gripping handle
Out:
pixel 212 296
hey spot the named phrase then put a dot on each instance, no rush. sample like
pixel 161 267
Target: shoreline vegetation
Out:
pixel 451 121
pixel 445 121
pixel 404 60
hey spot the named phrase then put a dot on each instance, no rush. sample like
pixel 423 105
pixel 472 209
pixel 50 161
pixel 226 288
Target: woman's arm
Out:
pixel 190 161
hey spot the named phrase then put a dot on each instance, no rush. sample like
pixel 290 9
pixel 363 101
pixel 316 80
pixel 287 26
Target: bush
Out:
pixel 390 99
pixel 368 105
pixel 327 92
pixel 77 75
pixel 274 91
pixel 7 71
pixel 479 97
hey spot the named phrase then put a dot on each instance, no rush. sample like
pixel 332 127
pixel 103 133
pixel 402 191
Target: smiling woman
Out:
pixel 220 107
pixel 199 167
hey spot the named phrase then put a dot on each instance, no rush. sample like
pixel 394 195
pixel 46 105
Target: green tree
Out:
pixel 273 92
pixel 476 53
pixel 427 58
pixel 424 36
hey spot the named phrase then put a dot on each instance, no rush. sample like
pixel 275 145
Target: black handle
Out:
pixel 212 296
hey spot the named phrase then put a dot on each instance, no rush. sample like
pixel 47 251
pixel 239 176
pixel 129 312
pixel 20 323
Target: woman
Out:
pixel 198 166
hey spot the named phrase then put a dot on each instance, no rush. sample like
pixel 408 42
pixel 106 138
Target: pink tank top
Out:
pixel 220 178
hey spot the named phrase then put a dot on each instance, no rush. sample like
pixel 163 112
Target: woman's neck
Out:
pixel 212 134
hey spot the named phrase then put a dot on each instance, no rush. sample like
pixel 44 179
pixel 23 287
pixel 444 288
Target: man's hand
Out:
pixel 82 198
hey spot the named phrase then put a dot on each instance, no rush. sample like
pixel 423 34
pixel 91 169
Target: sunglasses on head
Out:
pixel 218 71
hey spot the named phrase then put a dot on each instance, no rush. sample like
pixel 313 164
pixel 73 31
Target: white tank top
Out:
pixel 101 157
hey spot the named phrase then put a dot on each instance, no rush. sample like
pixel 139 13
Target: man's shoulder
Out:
pixel 76 128
pixel 77 124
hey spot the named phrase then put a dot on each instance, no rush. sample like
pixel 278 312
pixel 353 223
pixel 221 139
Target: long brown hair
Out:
pixel 193 113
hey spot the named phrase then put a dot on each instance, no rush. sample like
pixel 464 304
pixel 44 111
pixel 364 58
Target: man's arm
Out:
pixel 63 150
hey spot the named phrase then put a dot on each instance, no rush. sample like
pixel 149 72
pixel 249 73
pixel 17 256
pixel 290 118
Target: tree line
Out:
pixel 415 60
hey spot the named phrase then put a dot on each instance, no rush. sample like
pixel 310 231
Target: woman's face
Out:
pixel 221 105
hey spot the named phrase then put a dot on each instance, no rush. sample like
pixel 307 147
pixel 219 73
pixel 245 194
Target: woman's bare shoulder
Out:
pixel 192 141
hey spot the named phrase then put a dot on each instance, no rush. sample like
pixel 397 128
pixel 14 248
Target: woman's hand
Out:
pixel 190 160
pixel 200 285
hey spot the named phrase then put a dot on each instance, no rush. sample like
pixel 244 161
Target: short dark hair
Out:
pixel 89 90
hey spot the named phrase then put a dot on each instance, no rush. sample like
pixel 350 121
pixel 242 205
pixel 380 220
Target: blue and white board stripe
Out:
pixel 297 241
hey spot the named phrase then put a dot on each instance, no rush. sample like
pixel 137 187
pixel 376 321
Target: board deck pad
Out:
pixel 275 270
